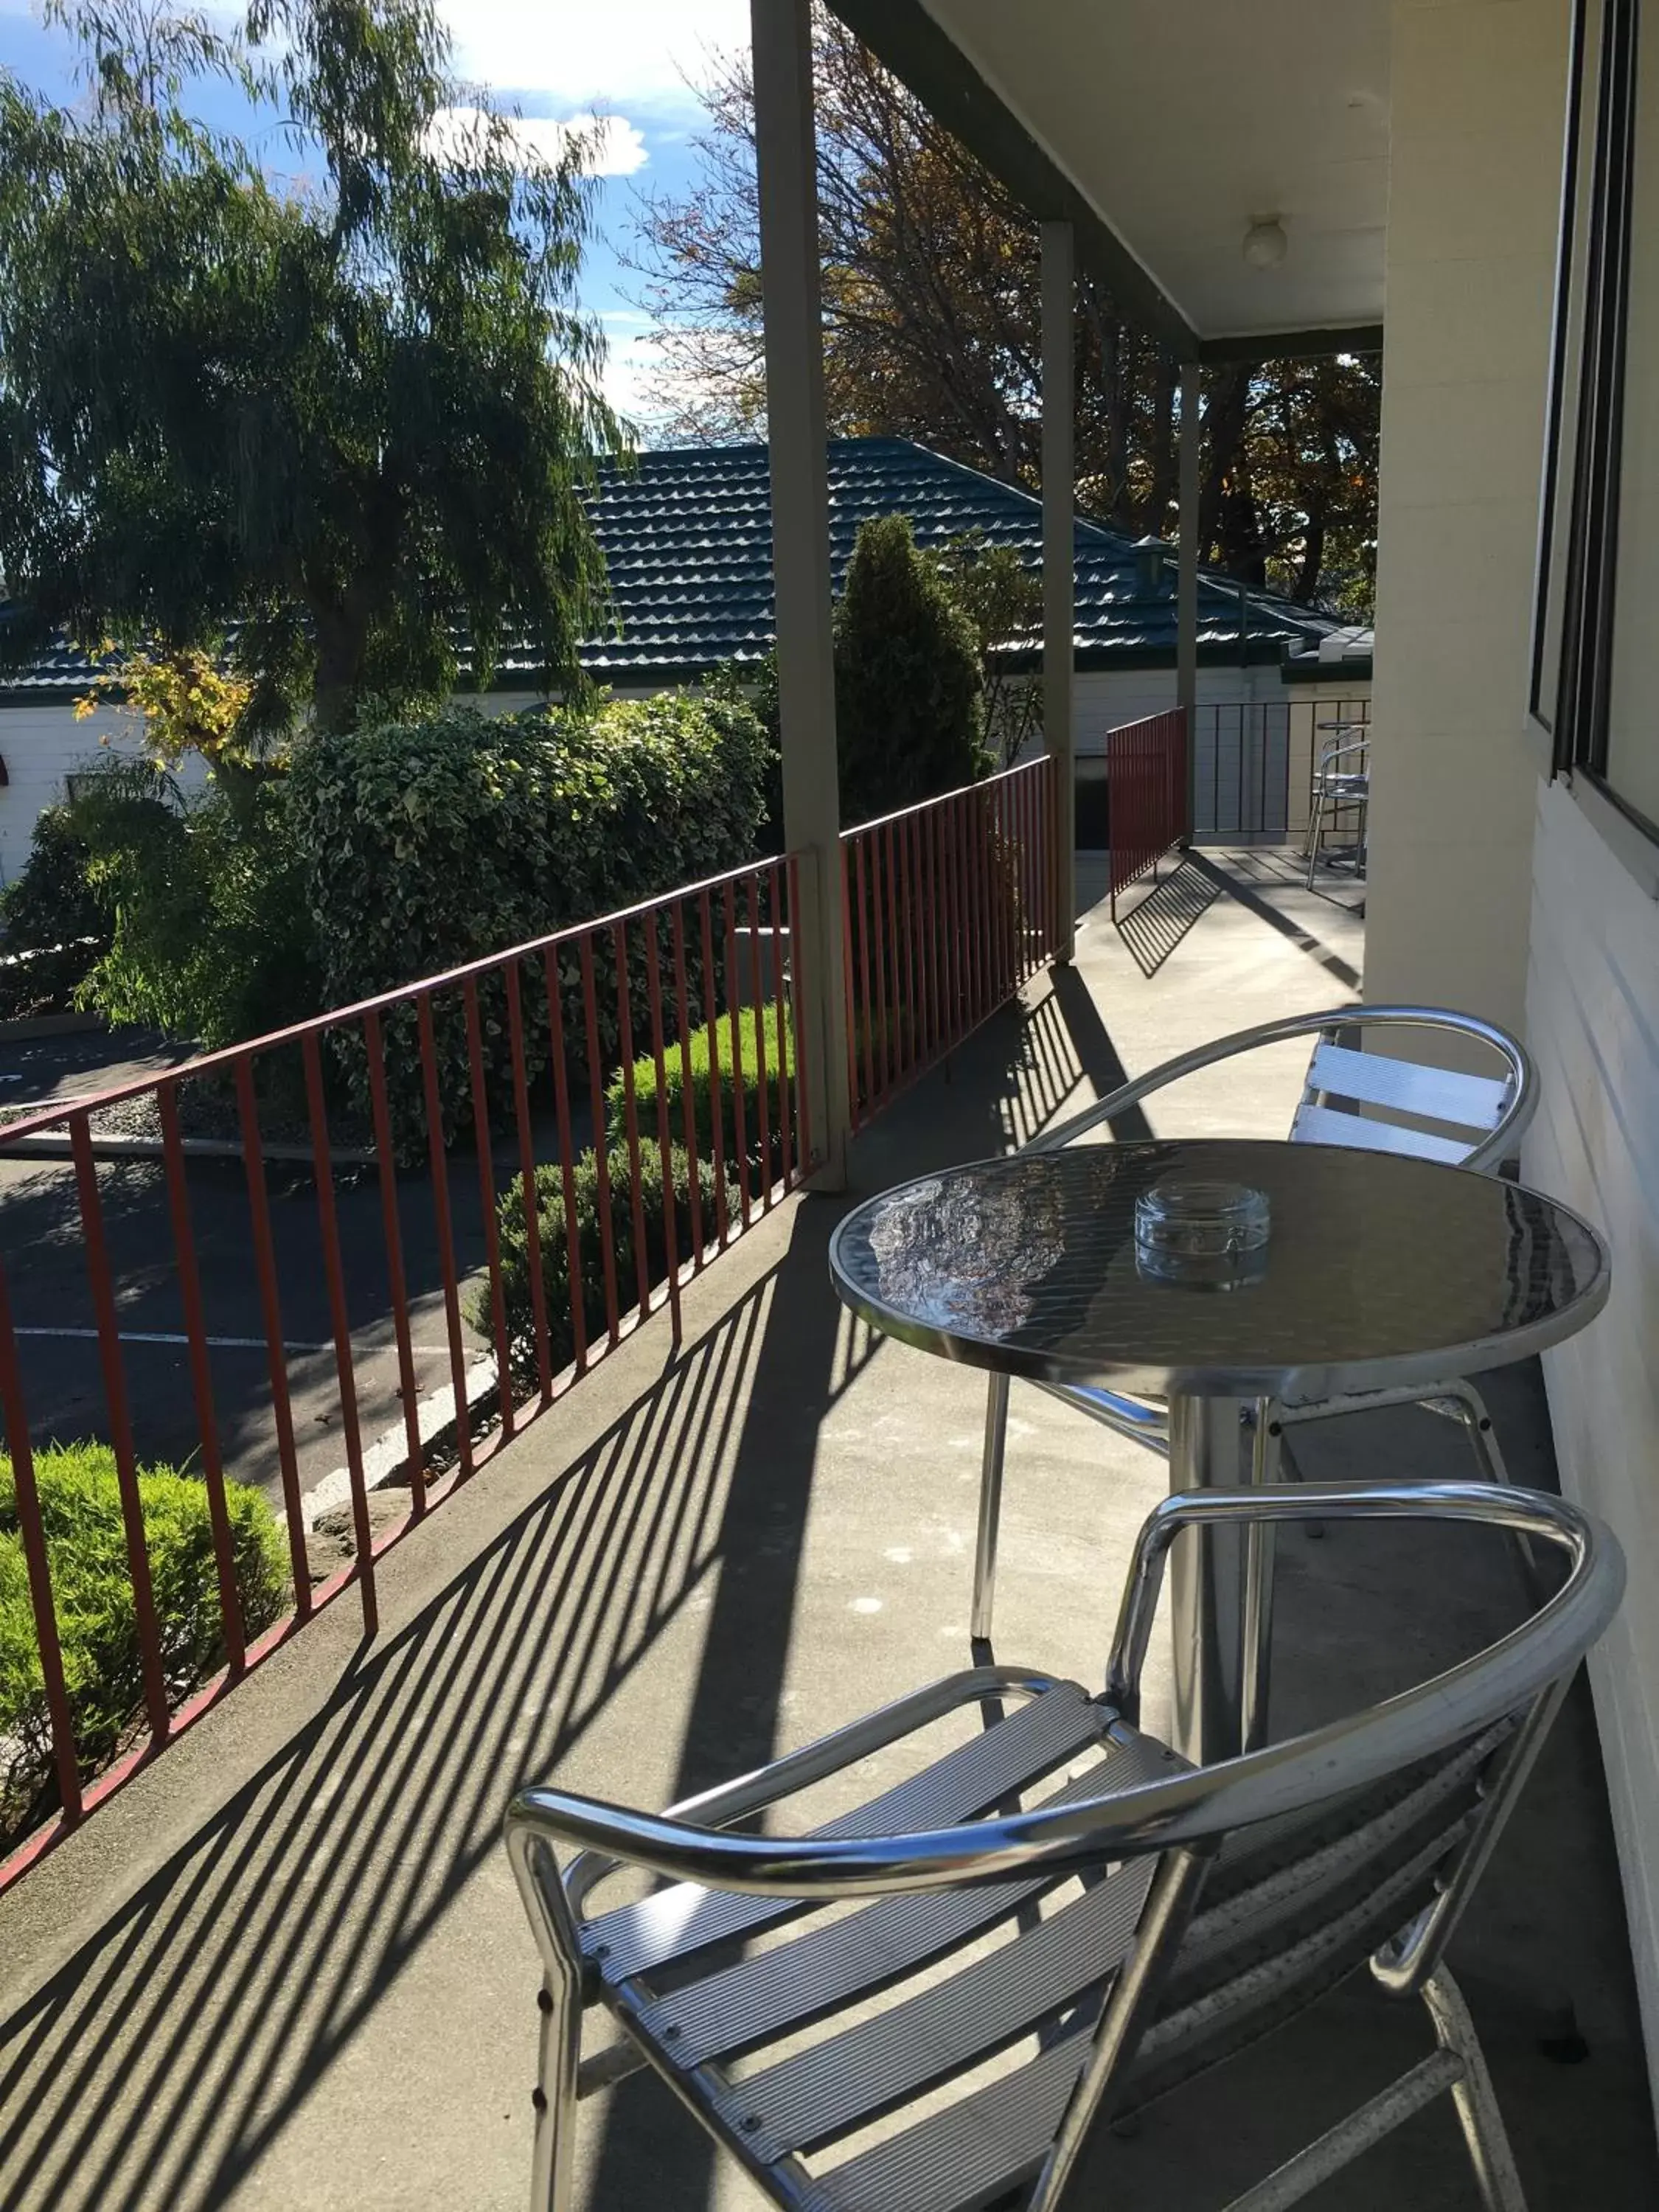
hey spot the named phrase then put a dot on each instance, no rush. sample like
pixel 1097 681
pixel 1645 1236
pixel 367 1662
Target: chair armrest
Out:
pixel 765 1785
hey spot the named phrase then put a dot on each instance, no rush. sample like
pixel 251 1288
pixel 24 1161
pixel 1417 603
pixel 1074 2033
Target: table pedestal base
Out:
pixel 1216 1707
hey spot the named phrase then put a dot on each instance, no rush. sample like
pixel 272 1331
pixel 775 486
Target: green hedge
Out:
pixel 437 842
pixel 54 924
pixel 555 1250
pixel 775 1035
pixel 92 1592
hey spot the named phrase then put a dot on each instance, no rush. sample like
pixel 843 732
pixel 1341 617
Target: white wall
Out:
pixel 1593 1025
pixel 1478 94
pixel 41 745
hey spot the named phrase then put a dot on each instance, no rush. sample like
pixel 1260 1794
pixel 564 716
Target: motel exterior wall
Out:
pixel 1490 887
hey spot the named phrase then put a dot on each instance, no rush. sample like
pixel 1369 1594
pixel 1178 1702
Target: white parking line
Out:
pixel 218 1343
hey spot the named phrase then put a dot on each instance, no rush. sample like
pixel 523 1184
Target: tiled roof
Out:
pixel 687 535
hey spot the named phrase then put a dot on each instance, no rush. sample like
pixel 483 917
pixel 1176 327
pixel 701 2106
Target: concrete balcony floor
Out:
pixel 287 1966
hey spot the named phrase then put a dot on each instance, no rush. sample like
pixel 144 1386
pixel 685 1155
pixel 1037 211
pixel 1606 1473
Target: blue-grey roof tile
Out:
pixel 687 535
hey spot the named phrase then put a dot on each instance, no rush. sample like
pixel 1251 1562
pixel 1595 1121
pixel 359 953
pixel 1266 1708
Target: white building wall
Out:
pixel 1477 88
pixel 1593 1023
pixel 1488 887
pixel 42 746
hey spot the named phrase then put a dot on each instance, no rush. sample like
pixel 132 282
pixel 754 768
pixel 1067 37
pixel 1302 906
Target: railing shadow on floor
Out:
pixel 161 2060
pixel 1264 909
pixel 1160 921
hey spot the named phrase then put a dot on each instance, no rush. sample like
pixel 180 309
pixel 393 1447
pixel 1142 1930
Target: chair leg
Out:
pixel 1266 1451
pixel 1316 831
pixel 1461 1402
pixel 1476 2100
pixel 553 2187
pixel 1286 1466
pixel 990 1516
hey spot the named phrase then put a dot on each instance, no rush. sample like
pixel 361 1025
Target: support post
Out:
pixel 1059 555
pixel 1187 581
pixel 787 178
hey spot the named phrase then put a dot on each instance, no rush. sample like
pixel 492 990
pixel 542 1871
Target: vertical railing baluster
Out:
pixel 757 991
pixel 486 1202
pixel 909 1045
pixel 688 1089
pixel 740 1113
pixel 391 1230
pixel 854 1089
pixel 601 1142
pixel 102 1287
pixel 201 1377
pixel 328 1228
pixel 26 1497
pixel 711 1016
pixel 532 1227
pixel 881 931
pixel 631 1116
pixel 783 934
pixel 270 1314
pixel 438 1156
pixel 797 999
pixel 865 993
pixel 671 1227
pixel 574 1283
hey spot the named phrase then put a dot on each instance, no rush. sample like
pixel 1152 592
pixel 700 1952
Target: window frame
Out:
pixel 1579 525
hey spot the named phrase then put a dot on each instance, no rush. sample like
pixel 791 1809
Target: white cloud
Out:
pixel 626 53
pixel 616 148
pixel 630 364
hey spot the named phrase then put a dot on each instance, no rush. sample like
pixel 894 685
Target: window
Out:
pixel 1595 647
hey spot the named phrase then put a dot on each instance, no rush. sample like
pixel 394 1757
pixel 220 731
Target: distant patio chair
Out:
pixel 1341 784
pixel 1432 1112
pixel 1184 1913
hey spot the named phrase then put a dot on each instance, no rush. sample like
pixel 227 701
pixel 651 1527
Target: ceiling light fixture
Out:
pixel 1265 243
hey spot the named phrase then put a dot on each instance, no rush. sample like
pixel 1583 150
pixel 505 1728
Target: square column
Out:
pixel 787 172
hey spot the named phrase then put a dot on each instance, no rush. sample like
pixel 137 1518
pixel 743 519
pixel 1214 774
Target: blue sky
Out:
pixel 625 61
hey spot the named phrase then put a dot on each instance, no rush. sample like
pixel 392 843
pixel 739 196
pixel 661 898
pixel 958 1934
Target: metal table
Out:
pixel 1379 1272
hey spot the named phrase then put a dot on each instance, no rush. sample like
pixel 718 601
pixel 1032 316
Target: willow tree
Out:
pixel 342 417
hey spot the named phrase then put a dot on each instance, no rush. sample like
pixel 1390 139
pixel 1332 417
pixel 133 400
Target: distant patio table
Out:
pixel 1378 1271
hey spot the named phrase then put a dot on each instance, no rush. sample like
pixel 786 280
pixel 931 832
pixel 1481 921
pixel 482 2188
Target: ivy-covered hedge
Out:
pixel 555 1247
pixel 433 843
pixel 92 1592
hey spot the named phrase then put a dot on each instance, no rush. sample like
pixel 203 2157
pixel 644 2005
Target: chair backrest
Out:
pixel 1344 756
pixel 1370 1100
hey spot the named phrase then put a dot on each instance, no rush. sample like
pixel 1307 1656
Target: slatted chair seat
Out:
pixel 1100 1932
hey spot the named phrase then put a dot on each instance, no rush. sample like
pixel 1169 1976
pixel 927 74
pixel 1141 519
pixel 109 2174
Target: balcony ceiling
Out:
pixel 1177 124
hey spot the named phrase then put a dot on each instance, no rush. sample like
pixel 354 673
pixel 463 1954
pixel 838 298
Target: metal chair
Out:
pixel 1337 789
pixel 1473 1122
pixel 1152 1918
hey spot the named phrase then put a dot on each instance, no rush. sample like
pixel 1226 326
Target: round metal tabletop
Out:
pixel 1379 1270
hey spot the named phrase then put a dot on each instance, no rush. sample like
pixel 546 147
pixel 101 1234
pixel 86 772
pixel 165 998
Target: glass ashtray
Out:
pixel 1205 1234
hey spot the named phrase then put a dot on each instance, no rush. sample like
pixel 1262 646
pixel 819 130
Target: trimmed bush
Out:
pixel 775 1035
pixel 909 699
pixel 92 1592
pixel 554 1253
pixel 432 843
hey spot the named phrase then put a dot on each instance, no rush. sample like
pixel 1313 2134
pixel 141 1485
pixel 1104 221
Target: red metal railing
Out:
pixel 949 908
pixel 302 1314
pixel 1145 795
